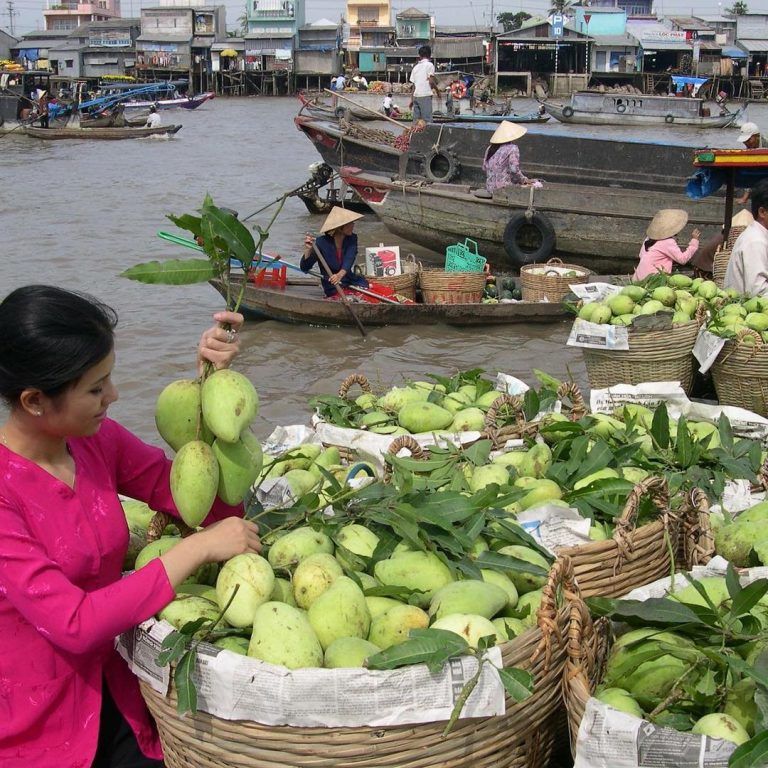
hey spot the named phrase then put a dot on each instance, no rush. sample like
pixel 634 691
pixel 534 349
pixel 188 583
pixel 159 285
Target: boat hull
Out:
pixel 305 305
pixel 566 114
pixel 601 229
pixel 192 102
pixel 103 134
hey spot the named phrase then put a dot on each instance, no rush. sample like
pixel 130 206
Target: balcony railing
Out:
pixel 367 23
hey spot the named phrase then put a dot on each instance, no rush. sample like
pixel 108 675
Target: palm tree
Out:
pixel 739 8
pixel 242 21
pixel 563 7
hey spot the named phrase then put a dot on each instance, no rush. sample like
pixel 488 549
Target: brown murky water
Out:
pixel 77 213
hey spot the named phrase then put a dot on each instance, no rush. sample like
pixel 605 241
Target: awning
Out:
pixel 754 46
pixel 228 52
pixel 615 41
pixel 732 52
pixel 651 46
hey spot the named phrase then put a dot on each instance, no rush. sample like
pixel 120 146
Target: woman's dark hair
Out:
pixel 424 52
pixel 49 338
pixel 649 243
pixel 759 196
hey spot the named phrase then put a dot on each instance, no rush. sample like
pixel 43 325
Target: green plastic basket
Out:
pixel 463 257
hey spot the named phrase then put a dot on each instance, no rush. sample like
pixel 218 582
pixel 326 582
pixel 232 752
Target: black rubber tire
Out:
pixel 568 111
pixel 519 256
pixel 669 119
pixel 441 166
pixel 621 108
pixel 340 112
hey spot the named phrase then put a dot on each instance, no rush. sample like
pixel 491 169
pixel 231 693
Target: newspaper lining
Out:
pixel 589 292
pixel 554 526
pixel 707 348
pixel 236 687
pixel 598 336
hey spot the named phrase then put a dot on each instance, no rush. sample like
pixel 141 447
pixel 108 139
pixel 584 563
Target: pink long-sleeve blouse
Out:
pixel 63 598
pixel 662 255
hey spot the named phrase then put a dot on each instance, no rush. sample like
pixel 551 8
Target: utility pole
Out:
pixel 11 13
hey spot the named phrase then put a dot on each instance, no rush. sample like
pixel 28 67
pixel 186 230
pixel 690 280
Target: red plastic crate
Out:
pixel 273 277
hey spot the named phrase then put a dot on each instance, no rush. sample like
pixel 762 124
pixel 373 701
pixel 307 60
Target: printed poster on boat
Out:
pixel 383 261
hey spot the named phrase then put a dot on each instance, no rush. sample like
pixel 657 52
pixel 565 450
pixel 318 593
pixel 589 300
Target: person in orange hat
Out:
pixel 338 244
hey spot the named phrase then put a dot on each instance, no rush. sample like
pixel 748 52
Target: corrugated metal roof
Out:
pixel 626 41
pixel 753 46
pixel 66 45
pixel 446 48
pixel 412 13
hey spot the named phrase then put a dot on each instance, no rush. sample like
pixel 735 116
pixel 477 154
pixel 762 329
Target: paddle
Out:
pixel 367 109
pixel 339 289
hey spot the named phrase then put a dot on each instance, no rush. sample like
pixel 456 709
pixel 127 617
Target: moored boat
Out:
pixel 594 226
pixel 596 108
pixel 304 303
pixel 113 134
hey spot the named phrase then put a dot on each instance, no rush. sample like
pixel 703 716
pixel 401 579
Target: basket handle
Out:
pixel 160 521
pixel 494 412
pixel 473 248
pixel 561 576
pixel 409 443
pixel 657 490
pixel 554 261
pixel 572 391
pixel 698 539
pixel 351 380
pixel 551 272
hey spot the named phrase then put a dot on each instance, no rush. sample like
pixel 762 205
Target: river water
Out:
pixel 76 214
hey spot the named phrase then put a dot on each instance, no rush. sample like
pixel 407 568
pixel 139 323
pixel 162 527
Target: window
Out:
pixel 69 63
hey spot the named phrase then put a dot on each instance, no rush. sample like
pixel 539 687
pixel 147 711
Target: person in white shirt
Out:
pixel 424 82
pixel 748 268
pixel 153 121
pixel 341 83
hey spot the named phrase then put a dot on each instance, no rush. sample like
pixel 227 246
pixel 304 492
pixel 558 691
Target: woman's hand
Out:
pixel 309 242
pixel 696 234
pixel 219 542
pixel 218 345
pixel 338 277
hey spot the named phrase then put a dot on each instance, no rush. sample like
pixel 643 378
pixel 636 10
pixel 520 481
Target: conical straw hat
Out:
pixel 666 223
pixel 507 132
pixel 338 217
pixel 742 219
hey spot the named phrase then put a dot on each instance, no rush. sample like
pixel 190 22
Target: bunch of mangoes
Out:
pixel 744 314
pixel 208 425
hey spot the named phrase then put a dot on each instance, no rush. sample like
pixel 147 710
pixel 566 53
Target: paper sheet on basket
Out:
pixel 554 526
pixel 611 739
pixel 236 687
pixel 589 292
pixel 707 348
pixel 598 335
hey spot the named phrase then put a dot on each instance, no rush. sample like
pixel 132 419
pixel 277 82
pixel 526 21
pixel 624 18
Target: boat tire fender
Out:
pixel 669 118
pixel 441 165
pixel 568 111
pixel 519 256
pixel 621 108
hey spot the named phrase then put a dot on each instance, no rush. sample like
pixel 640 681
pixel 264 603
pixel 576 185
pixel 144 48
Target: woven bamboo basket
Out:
pixel 740 373
pixel 551 285
pixel 439 287
pixel 505 419
pixel 404 285
pixel 633 556
pixel 524 737
pixel 652 356
pixel 720 266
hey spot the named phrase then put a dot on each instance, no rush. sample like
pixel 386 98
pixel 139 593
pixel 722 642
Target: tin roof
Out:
pixel 626 41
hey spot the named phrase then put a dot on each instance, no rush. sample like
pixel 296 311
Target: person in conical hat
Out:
pixel 338 245
pixel 660 251
pixel 502 159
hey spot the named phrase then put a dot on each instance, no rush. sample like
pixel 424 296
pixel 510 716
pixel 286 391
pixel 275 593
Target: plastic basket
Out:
pixel 463 257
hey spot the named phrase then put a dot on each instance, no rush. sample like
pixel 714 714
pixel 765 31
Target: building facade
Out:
pixel 68 15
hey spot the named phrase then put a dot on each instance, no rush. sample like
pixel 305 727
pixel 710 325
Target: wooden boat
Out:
pixel 598 227
pixel 109 134
pixel 303 302
pixel 453 152
pixel 595 108
pixel 114 119
pixel 479 117
pixel 186 102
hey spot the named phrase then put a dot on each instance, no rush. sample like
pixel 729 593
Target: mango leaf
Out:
pixel 432 647
pixel 397 593
pixel 498 562
pixel 732 582
pixel 187 221
pixel 531 404
pixel 173 647
pixel 686 452
pixel 751 754
pixel 186 690
pixel 749 596
pixel 547 381
pixel 517 683
pixel 173 272
pixel 655 610
pixel 660 426
pixel 237 236
pixel 725 432
pixel 478 453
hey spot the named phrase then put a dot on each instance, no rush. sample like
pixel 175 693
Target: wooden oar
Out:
pixel 339 289
pixel 378 114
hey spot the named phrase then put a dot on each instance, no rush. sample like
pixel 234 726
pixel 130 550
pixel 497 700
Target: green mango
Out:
pixel 194 481
pixel 639 413
pixel 282 592
pixel 234 644
pixel 679 280
pixel 527 608
pixel 366 400
pixel 540 491
pixel 634 474
pixel 301 482
pixel 601 474
pixel 178 415
pixel 740 704
pixel 393 626
pixel 138 517
pixel 340 611
pixel 428 385
pixel 735 542
pixel 488 474
pixel 255 582
pixel 282 635
pixel 155 549
pixel 375 419
pixel 485 401
pixel 358 540
pixel 422 571
pixel 714 586
pixel 511 459
pixel 423 417
pixel 536 461
pixel 472 627
pixel 468 420
pixel 620 699
pixel 507 628
pixel 456 401
pixel 397 397
pixel 348 652
pixel 635 292
pixel 328 459
pixel 240 464
pixel 705 432
pixel 526 582
pixel 756 514
pixel 297 545
pixel 229 404
pixel 479 597
pixel 717 725
pixel 379 605
pixel 313 575
pixel 503 581
pixel 186 608
pixel 198 590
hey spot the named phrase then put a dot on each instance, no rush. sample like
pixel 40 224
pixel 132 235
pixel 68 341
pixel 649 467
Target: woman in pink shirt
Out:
pixel 67 700
pixel 660 252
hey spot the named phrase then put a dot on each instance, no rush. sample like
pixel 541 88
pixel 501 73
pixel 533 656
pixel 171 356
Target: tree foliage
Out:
pixel 511 21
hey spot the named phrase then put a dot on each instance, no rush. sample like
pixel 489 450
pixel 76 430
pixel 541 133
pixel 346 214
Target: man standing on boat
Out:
pixel 153 121
pixel 748 268
pixel 424 83
pixel 751 137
